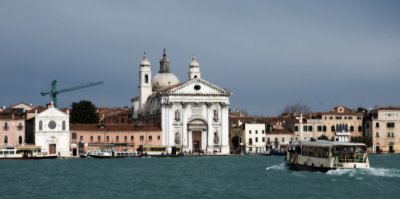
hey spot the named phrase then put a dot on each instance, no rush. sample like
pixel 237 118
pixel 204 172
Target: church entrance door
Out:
pixel 52 149
pixel 196 137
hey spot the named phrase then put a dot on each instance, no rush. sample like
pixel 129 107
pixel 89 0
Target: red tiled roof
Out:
pixel 113 127
pixel 38 108
pixel 388 108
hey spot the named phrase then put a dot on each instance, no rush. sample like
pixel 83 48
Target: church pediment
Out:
pixel 52 112
pixel 198 87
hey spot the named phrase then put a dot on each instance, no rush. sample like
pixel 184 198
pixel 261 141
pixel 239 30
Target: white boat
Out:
pixel 326 155
pixel 24 152
pixel 111 154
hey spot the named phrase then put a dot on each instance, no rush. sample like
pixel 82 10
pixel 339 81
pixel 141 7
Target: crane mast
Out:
pixel 54 92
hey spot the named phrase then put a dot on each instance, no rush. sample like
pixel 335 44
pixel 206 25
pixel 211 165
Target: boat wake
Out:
pixel 376 172
pixel 279 167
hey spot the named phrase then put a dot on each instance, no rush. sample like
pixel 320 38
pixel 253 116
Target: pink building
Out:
pixel 117 136
pixel 12 129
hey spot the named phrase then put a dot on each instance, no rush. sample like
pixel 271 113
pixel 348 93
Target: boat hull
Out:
pixel 299 167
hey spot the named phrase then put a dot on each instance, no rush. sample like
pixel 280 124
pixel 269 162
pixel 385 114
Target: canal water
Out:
pixel 193 177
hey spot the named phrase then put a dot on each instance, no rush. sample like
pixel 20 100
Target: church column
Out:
pixel 184 126
pixel 225 128
pixel 209 130
pixel 190 141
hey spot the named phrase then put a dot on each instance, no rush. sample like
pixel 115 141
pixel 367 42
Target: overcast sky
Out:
pixel 268 53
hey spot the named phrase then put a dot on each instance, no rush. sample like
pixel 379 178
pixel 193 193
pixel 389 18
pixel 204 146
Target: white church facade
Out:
pixel 52 132
pixel 193 115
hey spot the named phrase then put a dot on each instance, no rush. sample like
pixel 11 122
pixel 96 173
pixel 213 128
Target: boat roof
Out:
pixel 323 143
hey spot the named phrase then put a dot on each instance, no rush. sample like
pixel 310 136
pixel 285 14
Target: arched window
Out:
pixel 20 140
pixel 5 139
pixel 63 125
pixel 40 125
pixel 146 79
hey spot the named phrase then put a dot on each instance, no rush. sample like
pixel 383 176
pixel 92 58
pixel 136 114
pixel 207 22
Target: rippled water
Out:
pixel 193 177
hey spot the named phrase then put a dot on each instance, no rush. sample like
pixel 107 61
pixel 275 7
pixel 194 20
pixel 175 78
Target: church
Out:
pixel 192 114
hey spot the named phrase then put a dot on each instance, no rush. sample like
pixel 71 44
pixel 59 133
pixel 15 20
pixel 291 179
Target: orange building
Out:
pixel 113 136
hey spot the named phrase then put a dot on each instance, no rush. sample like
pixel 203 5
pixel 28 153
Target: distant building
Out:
pixel 114 115
pixel 259 134
pixel 340 124
pixel 382 130
pixel 12 129
pixel 114 136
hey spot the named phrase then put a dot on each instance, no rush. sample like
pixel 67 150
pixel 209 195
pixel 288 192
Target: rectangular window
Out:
pixel 360 128
pixel 141 138
pixel 338 117
pixel 331 118
pixel 132 138
pixel 377 134
pixel 283 140
pixel 249 131
pixel 350 118
pixel 150 137
pixel 263 139
pixel 296 128
pixel 117 138
pixel 319 128
pixel 263 131
pixel 392 134
pixel 91 138
pixel 324 128
pixel 107 138
pixel 256 139
pixel 388 134
pixel 126 138
pixel 304 128
pixel 81 138
pixel 250 141
pixel 310 128
pixel 158 137
pixel 256 132
pixel 99 138
pixel 333 128
pixel 268 141
pixel 377 125
pixel 390 125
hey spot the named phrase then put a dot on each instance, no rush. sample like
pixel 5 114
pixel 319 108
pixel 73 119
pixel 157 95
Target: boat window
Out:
pixel 11 152
pixel 6 152
pixel 1 152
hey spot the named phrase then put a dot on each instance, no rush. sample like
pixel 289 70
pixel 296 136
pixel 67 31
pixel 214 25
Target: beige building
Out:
pixel 382 130
pixel 339 124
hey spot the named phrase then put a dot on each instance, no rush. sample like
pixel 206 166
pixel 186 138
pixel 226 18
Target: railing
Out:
pixel 350 159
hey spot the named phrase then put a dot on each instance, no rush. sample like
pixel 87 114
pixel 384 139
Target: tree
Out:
pixel 296 109
pixel 84 112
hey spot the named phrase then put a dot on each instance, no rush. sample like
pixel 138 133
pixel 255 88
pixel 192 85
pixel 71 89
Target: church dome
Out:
pixel 164 78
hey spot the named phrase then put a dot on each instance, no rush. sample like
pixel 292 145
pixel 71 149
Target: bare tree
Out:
pixel 296 109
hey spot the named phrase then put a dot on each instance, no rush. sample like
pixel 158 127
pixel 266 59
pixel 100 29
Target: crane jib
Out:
pixel 53 92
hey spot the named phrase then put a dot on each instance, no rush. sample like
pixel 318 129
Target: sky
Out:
pixel 267 53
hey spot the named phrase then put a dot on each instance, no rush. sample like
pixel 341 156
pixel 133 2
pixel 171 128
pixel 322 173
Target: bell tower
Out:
pixel 144 81
pixel 194 69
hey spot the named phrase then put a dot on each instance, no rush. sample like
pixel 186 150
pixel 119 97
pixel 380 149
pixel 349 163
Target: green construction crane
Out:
pixel 54 92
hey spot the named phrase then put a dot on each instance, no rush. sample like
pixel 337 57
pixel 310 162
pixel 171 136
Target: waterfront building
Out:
pixel 193 115
pixel 49 129
pixel 260 134
pixel 339 124
pixel 114 136
pixel 12 129
pixel 382 130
